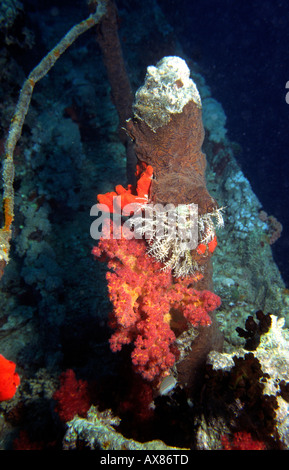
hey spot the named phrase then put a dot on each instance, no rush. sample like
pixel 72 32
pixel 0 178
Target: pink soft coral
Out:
pixel 150 306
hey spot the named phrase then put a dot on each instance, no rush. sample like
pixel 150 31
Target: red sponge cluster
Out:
pixel 150 306
pixel 9 379
pixel 131 195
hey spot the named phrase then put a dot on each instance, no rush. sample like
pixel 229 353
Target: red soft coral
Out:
pixel 242 441
pixel 149 305
pixel 72 398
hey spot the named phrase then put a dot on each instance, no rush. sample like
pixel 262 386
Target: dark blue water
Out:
pixel 242 47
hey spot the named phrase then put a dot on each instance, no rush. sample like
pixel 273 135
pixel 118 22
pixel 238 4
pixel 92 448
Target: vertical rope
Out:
pixel 19 117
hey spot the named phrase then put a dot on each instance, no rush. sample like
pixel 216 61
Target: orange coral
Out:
pixel 131 195
pixel 202 247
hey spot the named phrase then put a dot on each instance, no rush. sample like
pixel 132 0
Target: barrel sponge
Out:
pixel 166 90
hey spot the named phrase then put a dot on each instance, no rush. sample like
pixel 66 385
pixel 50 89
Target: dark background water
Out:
pixel 242 47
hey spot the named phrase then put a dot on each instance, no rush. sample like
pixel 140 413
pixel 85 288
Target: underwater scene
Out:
pixel 144 267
